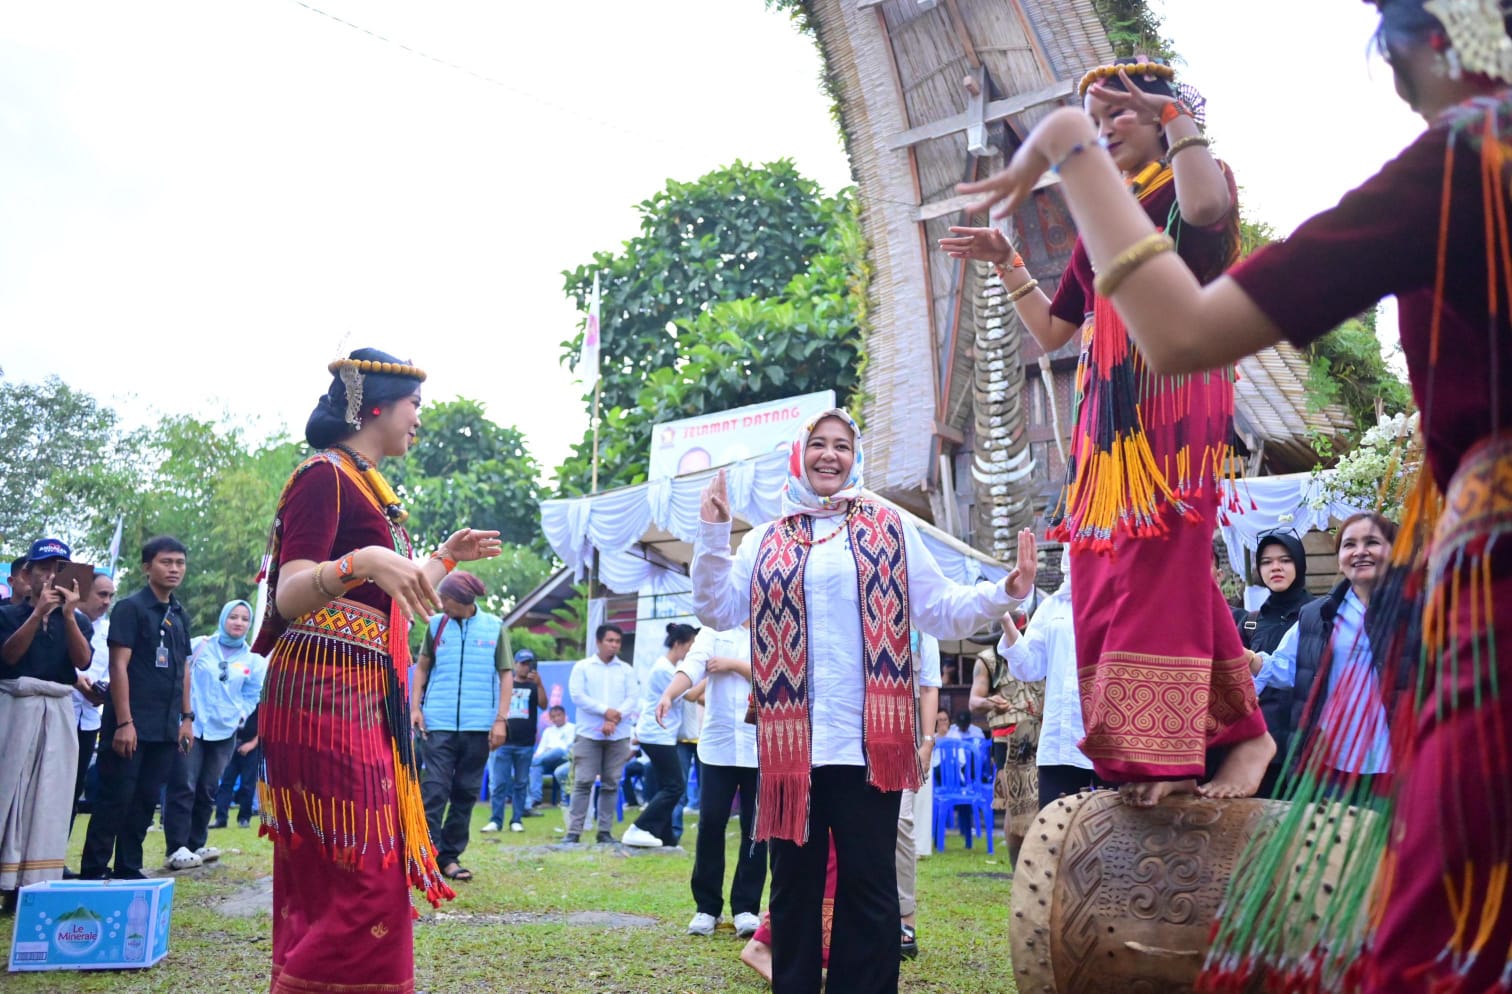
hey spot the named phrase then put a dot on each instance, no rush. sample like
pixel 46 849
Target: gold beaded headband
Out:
pixel 1132 68
pixel 352 372
pixel 365 366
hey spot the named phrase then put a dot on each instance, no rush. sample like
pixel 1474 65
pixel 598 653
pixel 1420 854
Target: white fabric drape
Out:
pixel 615 521
pixel 1296 500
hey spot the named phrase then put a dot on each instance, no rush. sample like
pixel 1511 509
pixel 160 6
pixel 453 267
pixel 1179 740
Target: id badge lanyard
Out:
pixel 164 656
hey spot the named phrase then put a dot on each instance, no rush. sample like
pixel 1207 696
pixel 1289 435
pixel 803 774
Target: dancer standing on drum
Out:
pixel 831 589
pixel 341 798
pixel 1431 228
pixel 1142 496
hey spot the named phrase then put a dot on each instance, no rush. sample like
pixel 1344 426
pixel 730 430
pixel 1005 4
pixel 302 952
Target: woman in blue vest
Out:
pixel 459 707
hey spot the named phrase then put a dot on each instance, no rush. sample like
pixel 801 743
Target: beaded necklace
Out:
pixel 794 532
pixel 381 489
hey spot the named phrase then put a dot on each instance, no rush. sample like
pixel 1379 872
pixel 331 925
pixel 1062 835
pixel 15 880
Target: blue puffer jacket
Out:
pixel 462 693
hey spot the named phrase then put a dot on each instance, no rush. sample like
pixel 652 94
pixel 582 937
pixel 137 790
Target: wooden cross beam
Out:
pixel 979 113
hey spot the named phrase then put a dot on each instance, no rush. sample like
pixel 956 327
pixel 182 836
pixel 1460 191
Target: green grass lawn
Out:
pixel 472 946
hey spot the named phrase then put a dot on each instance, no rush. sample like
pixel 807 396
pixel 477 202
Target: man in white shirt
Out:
pixel 727 766
pixel 94 605
pixel 1047 651
pixel 604 690
pixel 552 752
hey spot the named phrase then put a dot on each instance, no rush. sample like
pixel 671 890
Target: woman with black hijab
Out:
pixel 1281 564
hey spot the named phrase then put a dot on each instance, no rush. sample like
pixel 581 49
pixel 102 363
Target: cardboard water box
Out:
pixel 91 924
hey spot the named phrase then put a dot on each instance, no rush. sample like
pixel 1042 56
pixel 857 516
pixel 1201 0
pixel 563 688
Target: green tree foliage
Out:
pixel 1345 367
pixel 467 471
pixel 1133 29
pixel 67 468
pixel 744 286
pixel 58 449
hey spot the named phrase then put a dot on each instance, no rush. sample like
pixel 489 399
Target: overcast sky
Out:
pixel 201 204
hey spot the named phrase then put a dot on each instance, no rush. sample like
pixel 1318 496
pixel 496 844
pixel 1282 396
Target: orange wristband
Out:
pixel 1172 111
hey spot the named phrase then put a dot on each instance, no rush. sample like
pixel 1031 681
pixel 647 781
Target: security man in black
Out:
pixel 147 717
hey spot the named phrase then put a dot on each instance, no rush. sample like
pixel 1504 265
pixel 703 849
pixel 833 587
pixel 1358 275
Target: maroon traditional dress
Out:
pixel 1432 229
pixel 339 796
pixel 1161 666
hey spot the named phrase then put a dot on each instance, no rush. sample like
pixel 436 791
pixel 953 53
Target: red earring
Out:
pixel 377 411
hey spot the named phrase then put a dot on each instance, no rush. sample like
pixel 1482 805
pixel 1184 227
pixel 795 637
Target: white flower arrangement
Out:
pixel 1378 472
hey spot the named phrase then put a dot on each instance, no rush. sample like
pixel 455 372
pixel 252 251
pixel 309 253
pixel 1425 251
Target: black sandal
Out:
pixel 456 871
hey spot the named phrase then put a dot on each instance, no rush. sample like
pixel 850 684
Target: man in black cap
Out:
pixel 147 717
pixel 44 643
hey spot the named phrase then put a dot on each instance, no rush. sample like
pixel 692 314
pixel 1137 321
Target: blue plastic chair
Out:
pixel 966 775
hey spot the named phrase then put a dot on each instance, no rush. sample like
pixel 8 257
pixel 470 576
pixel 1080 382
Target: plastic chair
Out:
pixel 962 766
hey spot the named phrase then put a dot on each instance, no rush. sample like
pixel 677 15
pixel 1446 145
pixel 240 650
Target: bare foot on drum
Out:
pixel 1147 795
pixel 1242 769
pixel 758 956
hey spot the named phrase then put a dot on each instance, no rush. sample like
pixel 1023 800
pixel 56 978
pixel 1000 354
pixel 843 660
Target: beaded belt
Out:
pixel 345 621
pixel 1478 503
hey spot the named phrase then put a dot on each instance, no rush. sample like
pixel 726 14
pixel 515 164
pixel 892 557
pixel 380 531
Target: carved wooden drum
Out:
pixel 1113 898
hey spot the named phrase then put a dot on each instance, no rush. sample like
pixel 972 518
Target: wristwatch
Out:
pixel 186 716
pixel 929 738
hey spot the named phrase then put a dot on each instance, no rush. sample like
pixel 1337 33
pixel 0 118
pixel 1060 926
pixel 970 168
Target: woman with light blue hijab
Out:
pixel 225 683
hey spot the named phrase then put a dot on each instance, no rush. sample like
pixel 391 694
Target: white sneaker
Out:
pixel 515 826
pixel 702 924
pixel 492 826
pixel 746 924
pixel 207 854
pixel 640 838
pixel 182 859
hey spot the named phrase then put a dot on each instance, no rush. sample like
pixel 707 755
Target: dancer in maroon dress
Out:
pixel 1431 228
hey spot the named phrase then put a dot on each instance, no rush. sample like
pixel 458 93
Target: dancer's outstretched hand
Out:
pixel 1146 106
pixel 470 544
pixel 986 244
pixel 1007 189
pixel 402 579
pixel 715 506
pixel 1020 582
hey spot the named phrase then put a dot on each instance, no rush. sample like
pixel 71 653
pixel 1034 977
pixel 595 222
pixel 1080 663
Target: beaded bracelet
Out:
pixel 1074 151
pixel 1130 259
pixel 1172 111
pixel 1186 143
pixel 1023 291
pixel 320 587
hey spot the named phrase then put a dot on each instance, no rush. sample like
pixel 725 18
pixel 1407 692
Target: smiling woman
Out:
pixel 341 798
pixel 833 591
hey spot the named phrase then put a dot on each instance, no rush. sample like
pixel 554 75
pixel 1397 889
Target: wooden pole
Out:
pixel 593 485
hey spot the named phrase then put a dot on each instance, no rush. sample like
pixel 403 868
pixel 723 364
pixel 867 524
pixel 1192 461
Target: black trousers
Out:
pixel 1063 781
pixel 86 753
pixel 450 785
pixel 129 791
pixel 239 784
pixel 717 786
pixel 656 816
pixel 191 793
pixel 864 821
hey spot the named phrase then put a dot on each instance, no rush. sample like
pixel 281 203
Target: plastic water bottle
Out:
pixel 136 929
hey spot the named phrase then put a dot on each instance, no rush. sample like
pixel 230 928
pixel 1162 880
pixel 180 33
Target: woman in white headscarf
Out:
pixel 831 590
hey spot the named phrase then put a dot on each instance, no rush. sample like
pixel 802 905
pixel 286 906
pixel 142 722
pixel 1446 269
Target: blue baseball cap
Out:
pixel 524 656
pixel 48 548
